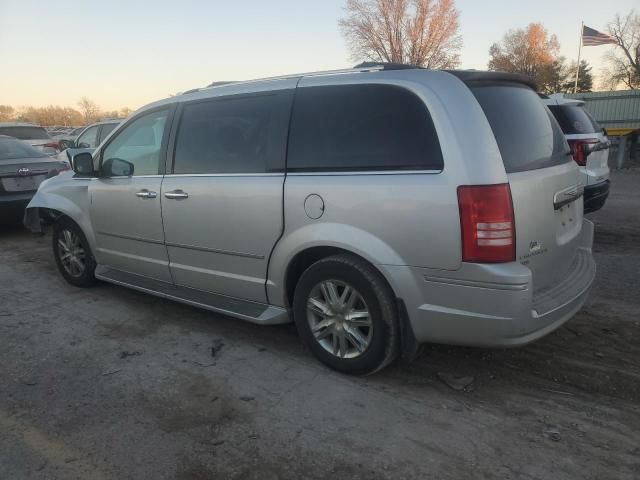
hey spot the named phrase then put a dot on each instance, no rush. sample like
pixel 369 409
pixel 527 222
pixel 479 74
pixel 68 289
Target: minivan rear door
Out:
pixel 545 182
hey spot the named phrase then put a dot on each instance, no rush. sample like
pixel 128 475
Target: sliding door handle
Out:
pixel 144 193
pixel 176 195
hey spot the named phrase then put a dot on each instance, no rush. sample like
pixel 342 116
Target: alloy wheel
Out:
pixel 339 319
pixel 72 253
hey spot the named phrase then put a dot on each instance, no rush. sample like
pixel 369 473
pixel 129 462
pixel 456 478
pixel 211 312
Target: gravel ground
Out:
pixel 110 383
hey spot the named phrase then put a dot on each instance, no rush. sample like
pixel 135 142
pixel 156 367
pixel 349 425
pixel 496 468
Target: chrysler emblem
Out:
pixel 24 171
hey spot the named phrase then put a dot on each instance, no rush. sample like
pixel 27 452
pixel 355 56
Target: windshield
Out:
pixel 12 149
pixel 25 133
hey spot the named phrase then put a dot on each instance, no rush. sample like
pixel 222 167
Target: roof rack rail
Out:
pixel 388 66
pixel 372 68
pixel 220 83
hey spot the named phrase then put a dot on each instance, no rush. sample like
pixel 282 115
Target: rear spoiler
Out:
pixel 478 76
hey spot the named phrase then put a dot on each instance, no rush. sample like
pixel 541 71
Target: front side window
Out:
pixel 89 139
pixel 242 134
pixel 361 127
pixel 139 143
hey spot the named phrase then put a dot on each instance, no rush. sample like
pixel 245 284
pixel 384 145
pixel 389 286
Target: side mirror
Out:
pixel 83 164
pixel 117 167
pixel 83 145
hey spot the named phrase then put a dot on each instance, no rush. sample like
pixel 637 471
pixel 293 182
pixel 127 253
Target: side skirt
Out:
pixel 253 312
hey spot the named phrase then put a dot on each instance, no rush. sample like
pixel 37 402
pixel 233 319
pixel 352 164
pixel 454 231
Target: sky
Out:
pixel 128 53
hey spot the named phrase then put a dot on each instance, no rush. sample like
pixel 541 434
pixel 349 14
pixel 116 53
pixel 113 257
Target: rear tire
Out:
pixel 347 315
pixel 73 254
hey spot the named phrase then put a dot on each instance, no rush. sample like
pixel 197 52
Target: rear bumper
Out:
pixel 12 200
pixel 595 196
pixel 492 305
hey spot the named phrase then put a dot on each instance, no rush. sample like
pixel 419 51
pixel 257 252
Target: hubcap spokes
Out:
pixel 339 319
pixel 72 254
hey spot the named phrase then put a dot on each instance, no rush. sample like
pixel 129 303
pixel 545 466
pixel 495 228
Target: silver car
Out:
pixel 33 135
pixel 379 208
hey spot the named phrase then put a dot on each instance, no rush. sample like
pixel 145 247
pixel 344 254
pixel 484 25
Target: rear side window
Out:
pixel 25 133
pixel 574 119
pixel 527 134
pixel 361 127
pixel 237 134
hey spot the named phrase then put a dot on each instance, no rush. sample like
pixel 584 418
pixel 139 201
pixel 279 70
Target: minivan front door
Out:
pixel 125 206
pixel 222 205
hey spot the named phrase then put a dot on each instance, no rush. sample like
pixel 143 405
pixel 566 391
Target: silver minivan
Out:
pixel 379 208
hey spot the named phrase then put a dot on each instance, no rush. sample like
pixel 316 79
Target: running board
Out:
pixel 253 312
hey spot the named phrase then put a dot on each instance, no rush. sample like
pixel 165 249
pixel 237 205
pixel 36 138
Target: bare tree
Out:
pixel 6 113
pixel 624 61
pixel 530 51
pixel 89 110
pixel 418 32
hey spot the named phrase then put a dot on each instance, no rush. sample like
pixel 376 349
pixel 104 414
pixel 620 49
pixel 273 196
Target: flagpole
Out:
pixel 575 85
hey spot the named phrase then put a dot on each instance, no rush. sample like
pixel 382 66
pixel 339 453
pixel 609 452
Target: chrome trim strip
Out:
pixel 566 196
pixel 365 172
pixel 215 250
pixel 472 283
pixel 198 175
pixel 129 177
pixel 129 237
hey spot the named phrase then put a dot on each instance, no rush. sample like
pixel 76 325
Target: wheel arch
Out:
pixel 66 197
pixel 297 251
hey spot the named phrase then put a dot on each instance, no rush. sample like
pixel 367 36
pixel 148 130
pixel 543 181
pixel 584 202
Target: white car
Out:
pixel 589 147
pixel 34 135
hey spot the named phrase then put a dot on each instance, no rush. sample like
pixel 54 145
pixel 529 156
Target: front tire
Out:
pixel 346 314
pixel 73 254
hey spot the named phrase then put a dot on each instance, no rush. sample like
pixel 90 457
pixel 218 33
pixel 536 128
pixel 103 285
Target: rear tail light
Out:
pixel 487 223
pixel 578 149
pixel 55 145
pixel 63 167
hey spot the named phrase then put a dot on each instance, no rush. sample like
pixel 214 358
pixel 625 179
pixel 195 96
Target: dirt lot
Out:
pixel 109 383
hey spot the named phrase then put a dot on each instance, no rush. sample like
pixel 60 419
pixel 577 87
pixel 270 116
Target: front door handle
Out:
pixel 176 195
pixel 144 193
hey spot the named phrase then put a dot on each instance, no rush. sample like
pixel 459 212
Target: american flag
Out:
pixel 591 37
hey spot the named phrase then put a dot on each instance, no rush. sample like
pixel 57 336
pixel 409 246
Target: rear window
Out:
pixel 25 133
pixel 574 119
pixel 11 149
pixel 361 127
pixel 527 134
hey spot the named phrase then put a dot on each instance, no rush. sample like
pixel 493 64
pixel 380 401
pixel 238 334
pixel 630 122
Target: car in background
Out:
pixel 22 169
pixel 67 135
pixel 589 147
pixel 91 136
pixel 34 135
pixel 88 140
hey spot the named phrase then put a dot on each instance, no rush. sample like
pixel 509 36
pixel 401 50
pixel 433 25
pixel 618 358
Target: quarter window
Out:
pixel 237 134
pixel 140 143
pixel 361 127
